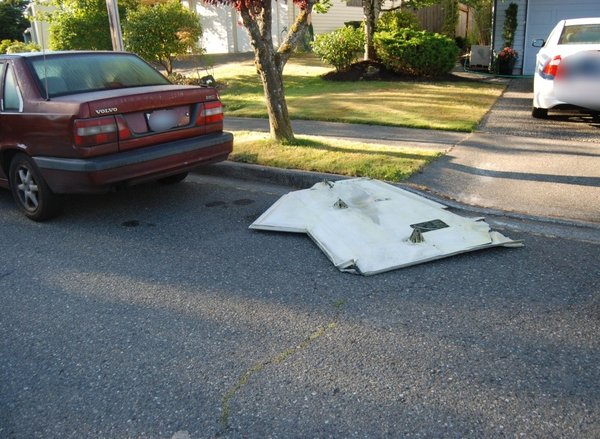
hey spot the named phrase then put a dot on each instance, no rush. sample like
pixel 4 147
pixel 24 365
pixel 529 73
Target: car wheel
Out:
pixel 30 191
pixel 539 113
pixel 173 179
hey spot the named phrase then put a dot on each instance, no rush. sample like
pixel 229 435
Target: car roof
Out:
pixel 60 52
pixel 589 20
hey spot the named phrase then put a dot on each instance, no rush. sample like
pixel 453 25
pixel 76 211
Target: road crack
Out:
pixel 277 359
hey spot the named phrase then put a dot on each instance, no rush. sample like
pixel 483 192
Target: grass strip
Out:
pixel 330 155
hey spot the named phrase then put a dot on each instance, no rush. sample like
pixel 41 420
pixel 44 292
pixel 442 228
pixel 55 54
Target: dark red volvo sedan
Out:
pixel 80 122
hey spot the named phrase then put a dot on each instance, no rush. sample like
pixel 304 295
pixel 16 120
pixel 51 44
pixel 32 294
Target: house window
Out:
pixel 354 3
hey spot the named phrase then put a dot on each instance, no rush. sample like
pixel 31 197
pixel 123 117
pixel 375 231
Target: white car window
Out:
pixel 580 34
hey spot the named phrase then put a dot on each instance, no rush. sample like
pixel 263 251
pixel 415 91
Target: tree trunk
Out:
pixel 272 79
pixel 270 62
pixel 371 9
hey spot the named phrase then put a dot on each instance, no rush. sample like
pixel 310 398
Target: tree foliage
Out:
pixel 161 32
pixel 82 24
pixel 451 17
pixel 12 21
pixel 482 23
pixel 398 19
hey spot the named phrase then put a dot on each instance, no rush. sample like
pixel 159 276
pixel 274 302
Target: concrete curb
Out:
pixel 305 179
pixel 285 177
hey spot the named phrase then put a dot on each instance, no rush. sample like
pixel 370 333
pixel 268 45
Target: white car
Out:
pixel 567 69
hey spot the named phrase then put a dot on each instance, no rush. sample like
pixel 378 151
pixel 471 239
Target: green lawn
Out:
pixel 330 155
pixel 456 106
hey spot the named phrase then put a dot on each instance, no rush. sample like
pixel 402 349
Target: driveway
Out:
pixel 512 116
pixel 516 163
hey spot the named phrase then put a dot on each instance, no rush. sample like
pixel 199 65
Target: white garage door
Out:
pixel 542 15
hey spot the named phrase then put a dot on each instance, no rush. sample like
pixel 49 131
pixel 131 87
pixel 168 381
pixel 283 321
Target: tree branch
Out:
pixel 294 35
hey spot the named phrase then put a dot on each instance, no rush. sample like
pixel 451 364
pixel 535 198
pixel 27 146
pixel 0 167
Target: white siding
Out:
pixel 536 18
pixel 519 42
pixel 544 14
pixel 218 32
pixel 336 17
pixel 223 31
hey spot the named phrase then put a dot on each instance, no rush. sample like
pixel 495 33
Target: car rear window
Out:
pixel 580 34
pixel 66 74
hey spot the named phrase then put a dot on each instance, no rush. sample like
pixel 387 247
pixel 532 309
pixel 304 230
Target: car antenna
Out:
pixel 45 68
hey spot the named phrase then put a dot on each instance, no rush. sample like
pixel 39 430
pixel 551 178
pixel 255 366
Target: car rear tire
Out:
pixel 173 179
pixel 31 193
pixel 539 113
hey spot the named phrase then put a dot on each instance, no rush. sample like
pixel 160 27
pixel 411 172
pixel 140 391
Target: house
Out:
pixel 223 31
pixel 535 19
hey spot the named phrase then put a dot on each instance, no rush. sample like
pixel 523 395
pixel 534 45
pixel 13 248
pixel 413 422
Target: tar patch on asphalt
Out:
pixel 136 223
pixel 240 202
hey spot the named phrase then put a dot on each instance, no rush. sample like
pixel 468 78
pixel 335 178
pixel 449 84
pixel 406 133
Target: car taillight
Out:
pixel 551 69
pixel 124 131
pixel 97 131
pixel 211 113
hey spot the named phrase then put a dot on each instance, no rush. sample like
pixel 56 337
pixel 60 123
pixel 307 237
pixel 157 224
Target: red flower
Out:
pixel 507 54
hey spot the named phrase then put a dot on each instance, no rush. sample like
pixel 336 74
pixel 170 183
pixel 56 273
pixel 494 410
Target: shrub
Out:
pixel 510 24
pixel 339 48
pixel 161 32
pixel 355 24
pixel 416 53
pixel 178 78
pixel 11 46
pixel 4 45
pixel 396 20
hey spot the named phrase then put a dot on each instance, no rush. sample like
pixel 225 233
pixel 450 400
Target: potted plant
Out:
pixel 505 60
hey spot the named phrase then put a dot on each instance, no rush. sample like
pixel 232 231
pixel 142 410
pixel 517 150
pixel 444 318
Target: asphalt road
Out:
pixel 155 313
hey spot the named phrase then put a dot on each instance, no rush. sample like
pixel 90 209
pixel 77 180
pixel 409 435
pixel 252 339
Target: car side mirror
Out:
pixel 538 43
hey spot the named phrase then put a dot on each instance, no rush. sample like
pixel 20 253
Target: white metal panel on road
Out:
pixel 367 226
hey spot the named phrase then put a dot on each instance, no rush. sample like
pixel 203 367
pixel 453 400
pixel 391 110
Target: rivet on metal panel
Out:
pixel 416 237
pixel 339 204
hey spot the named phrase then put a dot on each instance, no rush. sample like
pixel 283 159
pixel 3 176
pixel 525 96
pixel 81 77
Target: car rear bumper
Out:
pixel 577 93
pixel 543 93
pixel 99 174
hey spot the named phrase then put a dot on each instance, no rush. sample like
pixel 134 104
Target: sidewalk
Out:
pixel 557 176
